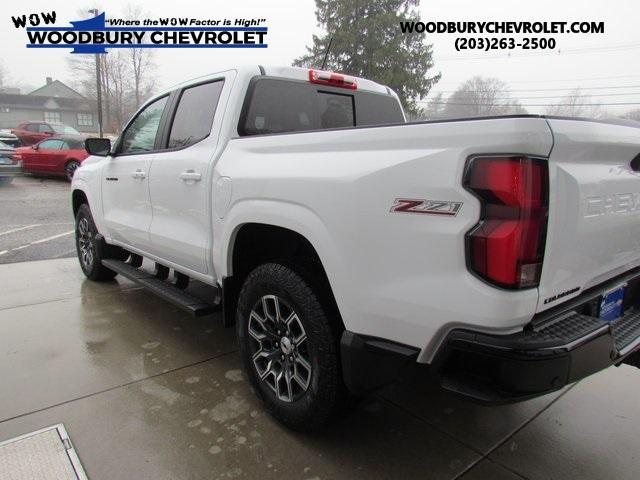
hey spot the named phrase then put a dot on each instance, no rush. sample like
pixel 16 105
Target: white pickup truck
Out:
pixel 345 244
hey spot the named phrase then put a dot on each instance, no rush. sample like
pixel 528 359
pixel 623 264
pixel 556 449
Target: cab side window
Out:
pixel 140 135
pixel 280 106
pixel 194 115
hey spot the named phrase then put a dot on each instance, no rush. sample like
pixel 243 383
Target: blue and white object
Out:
pixel 611 304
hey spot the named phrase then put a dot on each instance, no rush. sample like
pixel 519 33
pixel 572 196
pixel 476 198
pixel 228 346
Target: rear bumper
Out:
pixel 557 348
pixel 369 363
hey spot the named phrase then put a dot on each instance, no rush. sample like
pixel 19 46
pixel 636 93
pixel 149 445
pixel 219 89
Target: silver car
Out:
pixel 9 138
pixel 9 166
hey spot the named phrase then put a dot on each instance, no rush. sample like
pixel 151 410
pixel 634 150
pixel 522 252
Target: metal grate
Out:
pixel 569 328
pixel 46 454
pixel 573 326
pixel 627 329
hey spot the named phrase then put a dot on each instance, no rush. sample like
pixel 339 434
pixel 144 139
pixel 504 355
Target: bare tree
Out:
pixel 434 108
pixel 480 96
pixel 105 82
pixel 9 82
pixel 141 63
pixel 118 97
pixel 119 83
pixel 632 114
pixel 141 60
pixel 126 78
pixel 575 104
pixel 84 73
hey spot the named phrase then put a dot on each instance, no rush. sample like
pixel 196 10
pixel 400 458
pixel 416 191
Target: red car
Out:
pixel 59 156
pixel 33 132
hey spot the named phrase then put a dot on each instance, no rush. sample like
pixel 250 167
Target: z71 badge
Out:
pixel 426 207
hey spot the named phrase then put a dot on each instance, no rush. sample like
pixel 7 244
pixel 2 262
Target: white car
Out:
pixel 346 243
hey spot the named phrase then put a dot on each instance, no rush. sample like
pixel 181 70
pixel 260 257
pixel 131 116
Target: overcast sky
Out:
pixel 594 62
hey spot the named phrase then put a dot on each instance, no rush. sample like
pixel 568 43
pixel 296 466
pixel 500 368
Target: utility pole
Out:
pixel 94 11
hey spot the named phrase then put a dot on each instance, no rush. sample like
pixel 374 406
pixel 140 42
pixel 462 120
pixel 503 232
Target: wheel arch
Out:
pixel 252 243
pixel 78 197
pixel 269 242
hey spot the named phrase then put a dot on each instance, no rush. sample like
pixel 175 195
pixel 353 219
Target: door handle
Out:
pixel 190 176
pixel 139 174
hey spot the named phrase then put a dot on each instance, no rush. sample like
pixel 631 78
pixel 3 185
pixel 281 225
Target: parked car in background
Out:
pixel 9 138
pixel 33 132
pixel 59 156
pixel 10 166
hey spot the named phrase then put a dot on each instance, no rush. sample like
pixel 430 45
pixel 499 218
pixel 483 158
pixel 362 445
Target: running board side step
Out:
pixel 169 292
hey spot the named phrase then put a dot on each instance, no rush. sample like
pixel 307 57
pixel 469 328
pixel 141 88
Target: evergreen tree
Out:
pixel 366 41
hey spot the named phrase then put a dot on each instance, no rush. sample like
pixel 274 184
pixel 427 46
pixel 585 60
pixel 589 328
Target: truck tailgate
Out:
pixel 594 215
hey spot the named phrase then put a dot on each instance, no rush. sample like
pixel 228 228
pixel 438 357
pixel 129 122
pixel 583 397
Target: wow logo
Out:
pixel 94 36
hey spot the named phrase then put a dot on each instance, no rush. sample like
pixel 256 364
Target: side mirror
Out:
pixel 48 134
pixel 100 147
pixel 34 146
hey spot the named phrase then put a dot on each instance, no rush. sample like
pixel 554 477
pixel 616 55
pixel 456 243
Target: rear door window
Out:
pixel 194 116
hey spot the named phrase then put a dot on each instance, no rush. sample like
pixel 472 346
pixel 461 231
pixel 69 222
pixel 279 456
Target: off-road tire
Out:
pixel 326 394
pixel 86 238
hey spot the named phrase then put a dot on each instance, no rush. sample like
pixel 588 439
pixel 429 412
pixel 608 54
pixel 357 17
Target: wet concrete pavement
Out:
pixel 148 392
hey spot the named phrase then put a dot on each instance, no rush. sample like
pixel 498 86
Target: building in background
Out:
pixel 54 102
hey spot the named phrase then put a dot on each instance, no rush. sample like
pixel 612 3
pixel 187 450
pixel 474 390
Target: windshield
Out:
pixel 64 129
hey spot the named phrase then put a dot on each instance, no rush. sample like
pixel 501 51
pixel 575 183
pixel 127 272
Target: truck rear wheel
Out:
pixel 289 347
pixel 89 254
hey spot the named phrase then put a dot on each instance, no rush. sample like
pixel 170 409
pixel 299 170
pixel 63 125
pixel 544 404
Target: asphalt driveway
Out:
pixel 36 221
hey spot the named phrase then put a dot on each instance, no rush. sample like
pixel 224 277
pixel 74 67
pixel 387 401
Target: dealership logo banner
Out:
pixel 95 36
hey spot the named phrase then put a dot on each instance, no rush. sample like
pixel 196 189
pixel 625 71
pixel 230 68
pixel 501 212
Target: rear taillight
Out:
pixel 506 247
pixel 332 79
